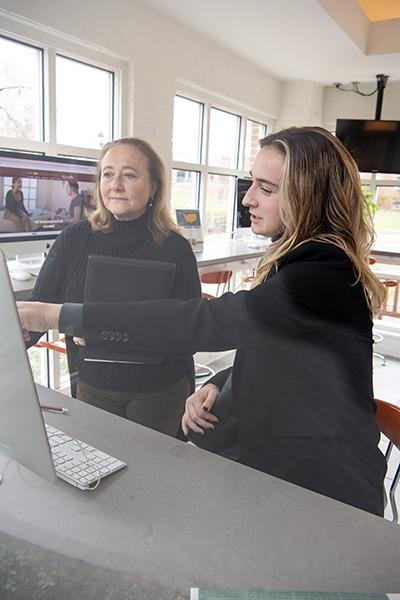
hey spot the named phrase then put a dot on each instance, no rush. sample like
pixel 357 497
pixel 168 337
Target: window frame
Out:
pixel 34 46
pixel 204 169
pixel 372 186
pixel 51 45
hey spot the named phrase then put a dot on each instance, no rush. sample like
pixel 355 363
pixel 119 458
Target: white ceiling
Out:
pixel 291 39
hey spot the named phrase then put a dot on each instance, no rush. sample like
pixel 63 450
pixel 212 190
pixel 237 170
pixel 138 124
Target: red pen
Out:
pixel 55 409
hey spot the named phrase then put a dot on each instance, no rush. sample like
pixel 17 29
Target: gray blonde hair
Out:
pixel 160 222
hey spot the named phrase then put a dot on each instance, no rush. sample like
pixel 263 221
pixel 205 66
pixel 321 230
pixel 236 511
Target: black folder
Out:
pixel 112 279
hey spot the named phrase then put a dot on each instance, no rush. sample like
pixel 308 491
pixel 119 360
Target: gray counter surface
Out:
pixel 179 517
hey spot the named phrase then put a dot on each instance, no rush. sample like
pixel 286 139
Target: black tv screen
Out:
pixel 49 186
pixel 374 145
pixel 242 212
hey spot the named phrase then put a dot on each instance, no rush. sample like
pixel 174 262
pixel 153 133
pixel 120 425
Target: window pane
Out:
pixel 21 90
pixel 387 219
pixel 224 139
pixel 84 104
pixel 388 176
pixel 188 120
pixel 184 189
pixel 219 205
pixel 254 133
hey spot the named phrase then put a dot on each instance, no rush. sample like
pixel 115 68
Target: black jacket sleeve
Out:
pixel 287 305
pixel 220 378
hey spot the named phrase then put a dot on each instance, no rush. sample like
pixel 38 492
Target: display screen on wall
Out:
pixel 374 145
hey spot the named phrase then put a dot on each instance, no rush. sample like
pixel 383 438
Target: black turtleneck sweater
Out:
pixel 62 279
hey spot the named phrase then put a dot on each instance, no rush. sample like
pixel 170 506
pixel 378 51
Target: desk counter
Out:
pixel 210 254
pixel 222 251
pixel 178 517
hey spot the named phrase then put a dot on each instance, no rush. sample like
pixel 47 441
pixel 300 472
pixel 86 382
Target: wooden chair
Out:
pixel 58 345
pixel 387 418
pixel 391 307
pixel 55 345
pixel 219 278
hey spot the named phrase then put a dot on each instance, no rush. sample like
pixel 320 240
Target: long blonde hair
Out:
pixel 321 199
pixel 159 221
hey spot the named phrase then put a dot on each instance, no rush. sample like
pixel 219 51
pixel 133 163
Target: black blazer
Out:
pixel 302 376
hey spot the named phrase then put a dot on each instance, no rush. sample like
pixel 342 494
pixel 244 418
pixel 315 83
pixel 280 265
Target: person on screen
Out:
pixel 76 204
pixel 300 387
pixel 132 221
pixel 15 210
pixel 89 202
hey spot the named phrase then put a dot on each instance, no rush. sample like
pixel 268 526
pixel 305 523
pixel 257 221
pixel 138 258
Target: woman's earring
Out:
pixel 150 202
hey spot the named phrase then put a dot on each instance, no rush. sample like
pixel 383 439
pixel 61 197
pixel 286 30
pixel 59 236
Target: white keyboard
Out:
pixel 78 463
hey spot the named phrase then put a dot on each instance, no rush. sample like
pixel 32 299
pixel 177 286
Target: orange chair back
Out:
pixel 387 418
pixel 217 277
pixel 56 345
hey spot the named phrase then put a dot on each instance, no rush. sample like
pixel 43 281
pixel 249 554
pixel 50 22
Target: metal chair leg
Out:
pixel 383 358
pixel 396 479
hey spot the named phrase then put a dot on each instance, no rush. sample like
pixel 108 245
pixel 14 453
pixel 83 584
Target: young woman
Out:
pixel 131 221
pixel 15 210
pixel 301 383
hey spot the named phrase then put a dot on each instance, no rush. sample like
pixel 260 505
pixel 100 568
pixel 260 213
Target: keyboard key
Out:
pixel 77 462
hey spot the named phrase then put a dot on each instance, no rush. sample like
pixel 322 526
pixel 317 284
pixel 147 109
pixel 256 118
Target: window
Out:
pixel 220 195
pixel 223 147
pixel 184 188
pixel 57 104
pixel 254 133
pixel 386 194
pixel 84 104
pixel 188 120
pixel 212 147
pixel 387 217
pixel 21 91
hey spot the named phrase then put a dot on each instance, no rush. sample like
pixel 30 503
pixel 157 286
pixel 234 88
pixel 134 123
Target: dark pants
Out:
pixel 161 410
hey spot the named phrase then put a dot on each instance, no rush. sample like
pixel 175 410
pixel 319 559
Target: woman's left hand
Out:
pixel 79 341
pixel 197 416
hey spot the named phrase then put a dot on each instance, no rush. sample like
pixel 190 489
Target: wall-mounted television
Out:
pixel 374 144
pixel 242 212
pixel 50 186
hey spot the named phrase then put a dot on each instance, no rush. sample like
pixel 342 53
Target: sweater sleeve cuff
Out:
pixel 71 319
pixel 220 378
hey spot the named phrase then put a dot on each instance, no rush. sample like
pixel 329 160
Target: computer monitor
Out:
pixel 188 217
pixel 189 221
pixel 22 432
pixel 242 212
pixel 51 188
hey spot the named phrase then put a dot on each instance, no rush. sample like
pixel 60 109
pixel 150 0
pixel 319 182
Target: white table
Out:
pixel 212 253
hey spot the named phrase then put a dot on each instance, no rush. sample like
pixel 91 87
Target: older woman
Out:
pixel 131 220
pixel 301 384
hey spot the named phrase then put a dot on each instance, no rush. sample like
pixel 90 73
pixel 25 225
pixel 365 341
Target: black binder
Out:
pixel 112 279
